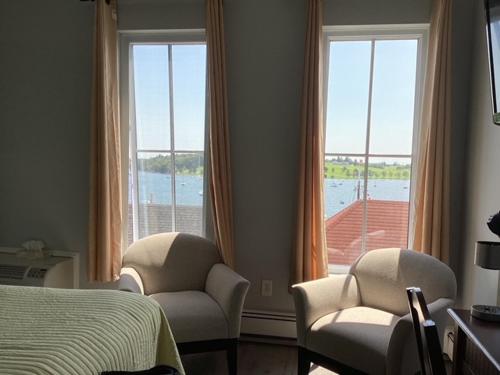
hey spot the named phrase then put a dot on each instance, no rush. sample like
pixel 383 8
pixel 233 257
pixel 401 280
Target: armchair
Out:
pixel 360 323
pixel 202 298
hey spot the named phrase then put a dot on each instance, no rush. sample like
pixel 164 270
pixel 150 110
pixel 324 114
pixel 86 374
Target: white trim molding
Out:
pixel 127 39
pixel 266 323
pixel 374 33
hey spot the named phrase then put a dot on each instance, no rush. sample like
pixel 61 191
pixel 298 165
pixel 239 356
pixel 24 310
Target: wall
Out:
pixel 45 75
pixel 157 14
pixel 363 12
pixel 462 53
pixel 482 174
pixel 45 95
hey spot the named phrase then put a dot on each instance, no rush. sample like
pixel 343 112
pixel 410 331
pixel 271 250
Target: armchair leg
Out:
pixel 232 358
pixel 303 363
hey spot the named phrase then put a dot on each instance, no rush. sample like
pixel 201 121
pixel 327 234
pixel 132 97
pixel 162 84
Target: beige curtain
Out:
pixel 431 231
pixel 105 222
pixel 310 258
pixel 219 151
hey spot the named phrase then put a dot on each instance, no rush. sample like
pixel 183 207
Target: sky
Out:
pixel 393 95
pixel 347 101
pixel 151 79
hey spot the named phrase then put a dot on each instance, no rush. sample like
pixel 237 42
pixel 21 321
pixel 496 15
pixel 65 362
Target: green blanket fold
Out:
pixel 60 331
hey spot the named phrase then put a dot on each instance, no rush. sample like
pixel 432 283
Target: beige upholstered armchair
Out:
pixel 202 298
pixel 360 322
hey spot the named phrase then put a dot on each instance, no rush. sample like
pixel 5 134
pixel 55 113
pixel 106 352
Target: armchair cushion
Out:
pixel 171 262
pixel 358 337
pixel 193 316
pixel 317 298
pixel 383 276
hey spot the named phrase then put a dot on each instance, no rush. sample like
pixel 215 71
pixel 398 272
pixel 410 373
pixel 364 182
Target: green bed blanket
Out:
pixel 60 331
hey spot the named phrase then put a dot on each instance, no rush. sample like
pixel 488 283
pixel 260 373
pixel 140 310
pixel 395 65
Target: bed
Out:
pixel 60 331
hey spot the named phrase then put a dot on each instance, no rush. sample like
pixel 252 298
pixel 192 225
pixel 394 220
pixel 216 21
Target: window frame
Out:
pixel 373 33
pixel 128 38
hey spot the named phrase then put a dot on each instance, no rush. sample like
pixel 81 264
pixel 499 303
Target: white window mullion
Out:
pixel 420 74
pixel 364 229
pixel 172 139
pixel 133 150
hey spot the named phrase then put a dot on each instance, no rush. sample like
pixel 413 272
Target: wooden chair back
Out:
pixel 426 334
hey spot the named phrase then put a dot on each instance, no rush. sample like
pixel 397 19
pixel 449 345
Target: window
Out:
pixel 165 80
pixel 372 112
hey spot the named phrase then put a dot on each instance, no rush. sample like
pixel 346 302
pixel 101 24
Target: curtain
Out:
pixel 310 258
pixel 105 221
pixel 431 221
pixel 219 151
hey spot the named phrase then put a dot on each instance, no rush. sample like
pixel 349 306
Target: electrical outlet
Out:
pixel 267 288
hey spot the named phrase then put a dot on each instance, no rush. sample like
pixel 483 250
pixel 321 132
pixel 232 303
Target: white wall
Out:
pixel 482 174
pixel 45 101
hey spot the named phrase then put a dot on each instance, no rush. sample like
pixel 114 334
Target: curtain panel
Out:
pixel 431 221
pixel 309 260
pixel 105 217
pixel 219 150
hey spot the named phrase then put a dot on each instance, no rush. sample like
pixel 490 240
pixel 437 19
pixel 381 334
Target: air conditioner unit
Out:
pixel 57 270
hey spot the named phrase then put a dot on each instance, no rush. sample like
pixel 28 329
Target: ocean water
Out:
pixel 157 188
pixel 341 193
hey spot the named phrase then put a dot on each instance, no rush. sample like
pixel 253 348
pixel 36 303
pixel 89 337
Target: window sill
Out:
pixel 338 269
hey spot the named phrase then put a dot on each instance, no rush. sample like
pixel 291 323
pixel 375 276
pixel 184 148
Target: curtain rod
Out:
pixel 107 1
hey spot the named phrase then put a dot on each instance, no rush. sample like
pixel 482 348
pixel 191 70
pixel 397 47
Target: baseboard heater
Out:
pixel 264 323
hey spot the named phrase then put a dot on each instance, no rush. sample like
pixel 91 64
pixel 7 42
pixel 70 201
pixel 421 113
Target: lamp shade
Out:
pixel 488 255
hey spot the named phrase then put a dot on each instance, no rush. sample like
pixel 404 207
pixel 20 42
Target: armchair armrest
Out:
pixel 314 299
pixel 130 281
pixel 437 309
pixel 228 289
pixel 402 346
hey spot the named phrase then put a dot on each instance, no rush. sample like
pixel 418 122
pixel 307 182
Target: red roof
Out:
pixel 387 227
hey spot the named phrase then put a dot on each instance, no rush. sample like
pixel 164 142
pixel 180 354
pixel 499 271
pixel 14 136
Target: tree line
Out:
pixel 344 170
pixel 184 164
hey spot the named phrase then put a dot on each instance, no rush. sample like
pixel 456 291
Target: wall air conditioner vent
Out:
pixel 12 272
pixel 37 273
pixel 55 269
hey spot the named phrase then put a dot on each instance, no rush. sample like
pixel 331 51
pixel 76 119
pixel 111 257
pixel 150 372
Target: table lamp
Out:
pixel 488 256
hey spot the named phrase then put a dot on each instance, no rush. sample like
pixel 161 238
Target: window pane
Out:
pixel 189 193
pixel 347 107
pixel 155 193
pixel 393 97
pixel 344 204
pixel 189 72
pixel 388 203
pixel 151 97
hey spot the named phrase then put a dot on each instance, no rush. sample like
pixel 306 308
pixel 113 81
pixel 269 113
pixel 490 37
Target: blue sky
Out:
pixel 393 96
pixel 349 66
pixel 152 96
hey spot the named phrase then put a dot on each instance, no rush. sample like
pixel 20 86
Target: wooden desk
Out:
pixel 476 348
